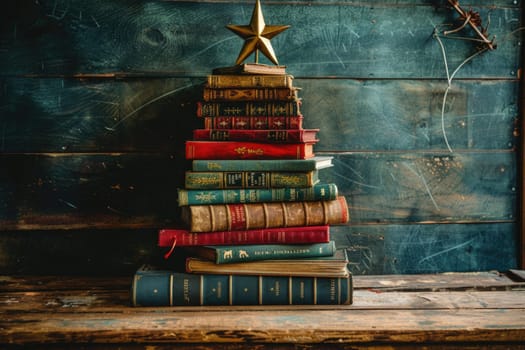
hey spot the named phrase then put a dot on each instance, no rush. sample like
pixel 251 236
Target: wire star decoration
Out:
pixel 257 36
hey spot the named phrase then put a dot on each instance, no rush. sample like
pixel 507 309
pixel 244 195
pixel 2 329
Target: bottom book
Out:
pixel 154 287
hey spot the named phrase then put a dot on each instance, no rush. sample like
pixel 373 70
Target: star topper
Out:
pixel 257 36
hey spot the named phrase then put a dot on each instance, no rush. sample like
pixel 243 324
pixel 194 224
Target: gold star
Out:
pixel 257 36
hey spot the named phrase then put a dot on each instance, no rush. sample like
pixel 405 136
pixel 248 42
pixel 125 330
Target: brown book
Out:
pixel 231 217
pixel 251 68
pixel 249 94
pixel 249 81
pixel 257 135
pixel 252 123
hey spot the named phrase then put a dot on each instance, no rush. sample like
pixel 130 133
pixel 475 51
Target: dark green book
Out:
pixel 154 287
pixel 254 252
pixel 318 192
pixel 315 163
pixel 249 108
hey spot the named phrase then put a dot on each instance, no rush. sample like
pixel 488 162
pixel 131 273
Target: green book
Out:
pixel 318 192
pixel 157 287
pixel 315 163
pixel 244 253
pixel 201 180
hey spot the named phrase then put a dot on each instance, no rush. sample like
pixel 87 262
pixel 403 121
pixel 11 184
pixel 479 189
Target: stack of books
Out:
pixel 257 215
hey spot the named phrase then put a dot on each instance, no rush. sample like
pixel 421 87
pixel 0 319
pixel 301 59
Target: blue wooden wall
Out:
pixel 98 97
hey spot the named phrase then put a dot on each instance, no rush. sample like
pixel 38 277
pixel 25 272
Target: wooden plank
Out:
pixel 389 39
pixel 328 326
pixel 137 115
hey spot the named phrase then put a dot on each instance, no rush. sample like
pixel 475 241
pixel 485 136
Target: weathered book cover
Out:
pixel 249 81
pixel 249 108
pixel 315 163
pixel 248 179
pixel 247 150
pixel 251 68
pixel 267 135
pixel 226 217
pixel 255 252
pixel 318 192
pixel 167 238
pixel 249 94
pixel 254 123
pixel 163 287
pixel 326 266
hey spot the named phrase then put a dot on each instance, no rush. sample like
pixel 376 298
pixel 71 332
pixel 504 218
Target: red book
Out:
pixel 247 150
pixel 284 136
pixel 250 123
pixel 286 235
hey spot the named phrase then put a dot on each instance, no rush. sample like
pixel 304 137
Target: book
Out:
pixel 254 123
pixel 315 163
pixel 251 68
pixel 318 192
pixel 249 108
pixel 249 94
pixel 249 81
pixel 230 217
pixel 327 266
pixel 256 252
pixel 263 135
pixel 167 238
pixel 247 150
pixel 163 287
pixel 249 179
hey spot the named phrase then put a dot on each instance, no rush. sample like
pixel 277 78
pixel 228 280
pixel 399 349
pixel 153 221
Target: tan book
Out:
pixel 249 81
pixel 231 217
pixel 328 266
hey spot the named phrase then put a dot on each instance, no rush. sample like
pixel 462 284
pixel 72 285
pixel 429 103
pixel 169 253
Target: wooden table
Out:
pixel 475 310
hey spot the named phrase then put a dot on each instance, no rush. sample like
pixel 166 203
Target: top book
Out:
pixel 251 68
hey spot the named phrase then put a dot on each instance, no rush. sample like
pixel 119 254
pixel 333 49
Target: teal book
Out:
pixel 318 192
pixel 255 252
pixel 315 163
pixel 158 287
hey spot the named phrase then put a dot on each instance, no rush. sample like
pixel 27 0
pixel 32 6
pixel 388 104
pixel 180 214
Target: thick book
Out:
pixel 249 94
pixel 256 252
pixel 200 180
pixel 249 81
pixel 168 238
pixel 254 123
pixel 265 135
pixel 318 192
pixel 247 150
pixel 315 163
pixel 162 287
pixel 251 68
pixel 326 266
pixel 227 217
pixel 249 108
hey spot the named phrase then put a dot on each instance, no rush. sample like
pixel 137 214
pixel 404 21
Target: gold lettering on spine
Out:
pixel 171 289
pixel 315 290
pixel 260 290
pixel 201 290
pixel 290 291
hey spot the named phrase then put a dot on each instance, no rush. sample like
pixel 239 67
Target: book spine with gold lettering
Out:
pixel 227 217
pixel 153 287
pixel 248 108
pixel 249 81
pixel 247 150
pixel 249 94
pixel 294 122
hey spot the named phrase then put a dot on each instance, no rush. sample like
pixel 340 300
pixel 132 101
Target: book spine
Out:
pixel 226 217
pixel 249 179
pixel 248 109
pixel 166 288
pixel 253 94
pixel 319 192
pixel 254 123
pixel 249 81
pixel 282 135
pixel 247 150
pixel 261 165
pixel 285 235
pixel 238 254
